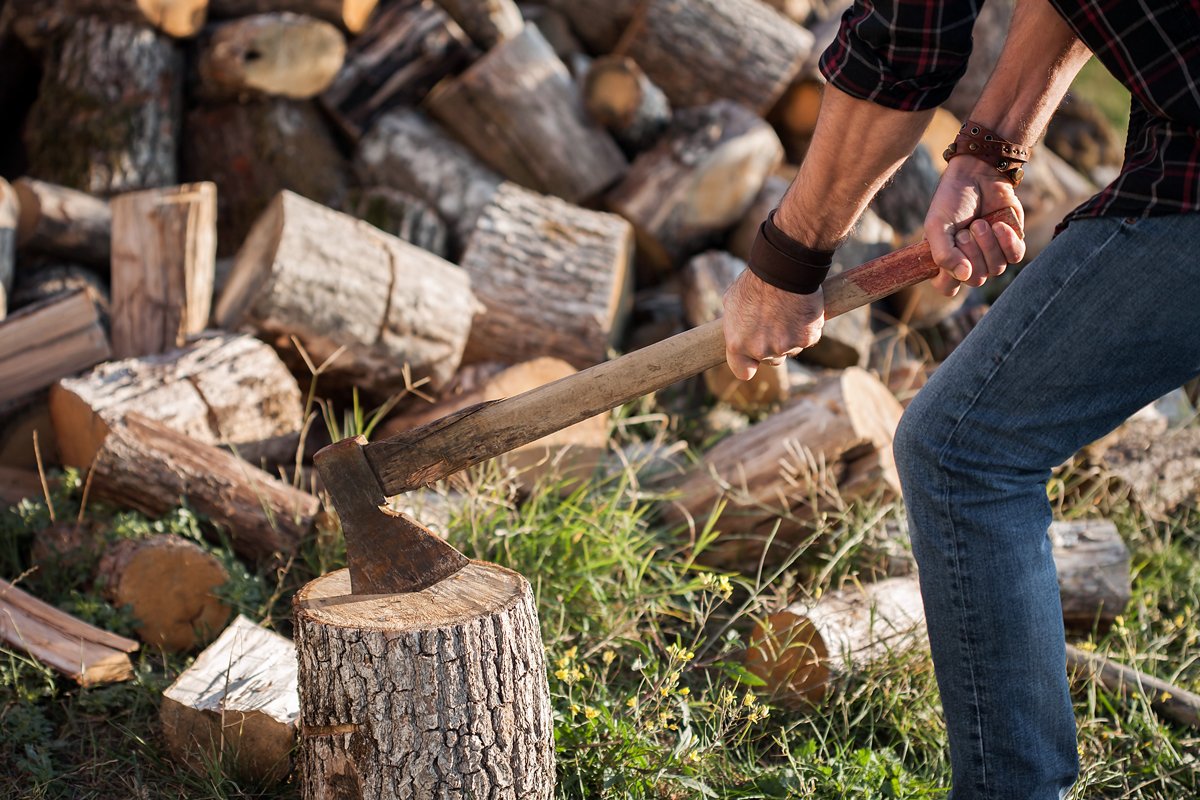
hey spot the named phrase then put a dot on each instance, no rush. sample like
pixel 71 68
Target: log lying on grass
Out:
pixel 163 262
pixel 278 54
pixel 84 653
pixel 619 96
pixel 696 182
pixel 63 222
pixel 237 705
pixel 49 340
pixel 1093 566
pixel 406 49
pixel 574 262
pixel 9 212
pixel 170 585
pixel 148 467
pixel 519 110
pixel 1161 473
pixel 107 115
pixel 333 281
pixel 453 675
pixel 698 51
pixel 350 14
pixel 223 389
pixel 487 22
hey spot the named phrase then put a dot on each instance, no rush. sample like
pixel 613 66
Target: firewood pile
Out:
pixel 208 200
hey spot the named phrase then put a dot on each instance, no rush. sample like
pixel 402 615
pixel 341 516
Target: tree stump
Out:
pixel 620 97
pixel 163 262
pixel 697 182
pixel 487 22
pixel 350 14
pixel 8 243
pixel 518 108
pixel 333 281
pixel 699 51
pixel 63 222
pixel 575 263
pixel 437 693
pixel 107 115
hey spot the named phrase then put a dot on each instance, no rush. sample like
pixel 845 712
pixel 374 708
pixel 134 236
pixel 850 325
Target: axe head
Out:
pixel 388 553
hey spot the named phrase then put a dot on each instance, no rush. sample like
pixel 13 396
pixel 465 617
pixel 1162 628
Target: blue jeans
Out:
pixel 1103 322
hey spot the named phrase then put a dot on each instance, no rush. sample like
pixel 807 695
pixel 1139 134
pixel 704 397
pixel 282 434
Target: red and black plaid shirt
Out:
pixel 908 54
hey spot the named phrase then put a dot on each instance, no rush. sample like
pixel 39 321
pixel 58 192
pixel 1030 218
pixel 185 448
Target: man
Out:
pixel 1101 323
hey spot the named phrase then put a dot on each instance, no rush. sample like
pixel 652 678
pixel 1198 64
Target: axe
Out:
pixel 389 553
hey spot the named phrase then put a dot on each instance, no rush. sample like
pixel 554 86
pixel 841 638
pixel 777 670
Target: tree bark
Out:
pixel 402 215
pixel 487 22
pixel 292 150
pixel 63 222
pixel 697 182
pixel 107 115
pixel 170 585
pixel 575 263
pixel 221 390
pixel 409 46
pixel 822 450
pixel 148 467
pixel 44 342
pixel 281 54
pixel 9 212
pixel 619 96
pixel 236 705
pixel 1093 572
pixel 352 15
pixel 705 280
pixel 518 108
pixel 333 281
pixel 41 279
pixel 406 151
pixel 699 51
pixel 163 264
pixel 598 23
pixel 435 693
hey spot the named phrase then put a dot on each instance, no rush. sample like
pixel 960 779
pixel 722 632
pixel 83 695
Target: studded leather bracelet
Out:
pixel 1007 157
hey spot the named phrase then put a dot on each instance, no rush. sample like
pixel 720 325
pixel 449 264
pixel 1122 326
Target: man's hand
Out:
pixel 763 324
pixel 970 188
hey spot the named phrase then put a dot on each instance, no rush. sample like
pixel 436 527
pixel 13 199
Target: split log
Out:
pixel 1093 572
pixel 487 22
pixel 408 47
pixel 316 274
pixel 406 151
pixel 442 690
pixel 619 96
pixel 9 212
pixel 107 115
pixel 63 222
pixel 163 263
pixel 86 654
pixel 18 484
pixel 697 182
pixel 148 467
pixel 1172 702
pixel 403 215
pixel 800 650
pixel 575 262
pixel 706 278
pixel 574 451
pixel 1160 473
pixel 518 108
pixel 352 15
pixel 598 23
pixel 170 585
pixel 556 28
pixel 20 421
pixel 237 705
pixel 282 54
pixel 741 238
pixel 40 20
pixel 291 149
pixel 44 342
pixel 823 449
pixel 221 390
pixel 41 279
pixel 698 51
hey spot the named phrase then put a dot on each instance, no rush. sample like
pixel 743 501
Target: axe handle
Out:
pixel 427 454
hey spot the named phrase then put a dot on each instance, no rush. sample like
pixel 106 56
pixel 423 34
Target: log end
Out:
pixel 178 18
pixel 789 654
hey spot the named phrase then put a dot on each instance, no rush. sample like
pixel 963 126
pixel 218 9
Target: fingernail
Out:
pixel 962 237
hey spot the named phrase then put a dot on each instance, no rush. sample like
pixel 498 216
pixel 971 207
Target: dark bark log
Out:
pixel 403 215
pixel 620 97
pixel 487 22
pixel 42 279
pixel 598 23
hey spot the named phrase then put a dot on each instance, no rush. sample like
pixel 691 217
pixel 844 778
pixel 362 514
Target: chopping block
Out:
pixel 422 672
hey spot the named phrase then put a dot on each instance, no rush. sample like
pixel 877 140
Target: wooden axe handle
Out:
pixel 431 452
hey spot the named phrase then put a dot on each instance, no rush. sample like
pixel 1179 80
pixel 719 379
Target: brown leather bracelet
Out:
pixel 785 263
pixel 1006 157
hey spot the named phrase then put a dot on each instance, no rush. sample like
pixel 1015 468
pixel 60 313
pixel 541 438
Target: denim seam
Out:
pixel 945 487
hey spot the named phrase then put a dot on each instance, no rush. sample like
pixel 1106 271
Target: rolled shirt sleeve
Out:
pixel 903 54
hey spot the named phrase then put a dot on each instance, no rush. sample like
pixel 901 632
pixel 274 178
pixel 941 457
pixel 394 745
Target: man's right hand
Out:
pixel 763 323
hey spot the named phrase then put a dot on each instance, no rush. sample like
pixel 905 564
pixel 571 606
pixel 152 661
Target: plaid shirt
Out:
pixel 908 54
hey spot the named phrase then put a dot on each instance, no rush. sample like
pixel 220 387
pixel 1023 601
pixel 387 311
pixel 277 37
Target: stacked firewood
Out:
pixel 458 200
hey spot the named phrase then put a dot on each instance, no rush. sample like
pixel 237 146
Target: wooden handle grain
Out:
pixel 427 454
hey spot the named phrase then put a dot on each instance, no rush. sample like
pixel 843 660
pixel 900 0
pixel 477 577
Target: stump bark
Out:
pixel 437 693
pixel 63 222
pixel 163 263
pixel 575 263
pixel 49 340
pixel 518 108
pixel 334 281
pixel 107 115
pixel 352 15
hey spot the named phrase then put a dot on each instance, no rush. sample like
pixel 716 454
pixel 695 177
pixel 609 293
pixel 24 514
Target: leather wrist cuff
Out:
pixel 975 140
pixel 781 261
